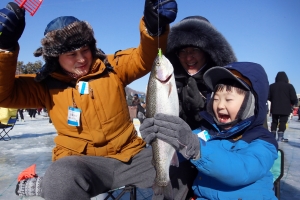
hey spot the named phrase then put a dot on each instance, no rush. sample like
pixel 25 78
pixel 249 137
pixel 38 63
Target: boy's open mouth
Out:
pixel 223 118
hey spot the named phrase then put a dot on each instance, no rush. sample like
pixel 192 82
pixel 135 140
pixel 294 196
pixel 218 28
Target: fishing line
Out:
pixel 159 50
pixel 158 23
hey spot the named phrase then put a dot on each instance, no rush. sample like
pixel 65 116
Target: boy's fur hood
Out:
pixel 197 31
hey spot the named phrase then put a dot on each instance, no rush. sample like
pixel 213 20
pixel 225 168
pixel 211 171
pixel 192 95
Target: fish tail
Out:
pixel 163 190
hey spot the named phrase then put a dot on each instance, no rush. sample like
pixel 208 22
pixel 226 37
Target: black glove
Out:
pixel 174 131
pixel 12 24
pixel 167 10
pixel 194 101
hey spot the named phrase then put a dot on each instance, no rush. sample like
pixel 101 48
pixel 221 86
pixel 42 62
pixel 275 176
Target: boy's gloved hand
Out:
pixel 174 131
pixel 167 11
pixel 12 24
pixel 194 100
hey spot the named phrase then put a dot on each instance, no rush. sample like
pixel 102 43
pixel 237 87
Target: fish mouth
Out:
pixel 165 80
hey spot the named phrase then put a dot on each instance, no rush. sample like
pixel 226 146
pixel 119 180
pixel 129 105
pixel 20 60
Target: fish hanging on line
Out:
pixel 162 97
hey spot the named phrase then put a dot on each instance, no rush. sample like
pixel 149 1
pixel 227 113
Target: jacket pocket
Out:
pixel 60 152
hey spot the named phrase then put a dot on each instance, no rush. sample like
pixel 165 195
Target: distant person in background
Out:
pixel 143 104
pixel 298 112
pixel 32 112
pixel 141 111
pixel 193 47
pixel 135 100
pixel 39 111
pixel 20 112
pixel 282 95
pixel 133 107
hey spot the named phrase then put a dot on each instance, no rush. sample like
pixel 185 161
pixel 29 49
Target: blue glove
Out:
pixel 12 24
pixel 158 14
pixel 174 131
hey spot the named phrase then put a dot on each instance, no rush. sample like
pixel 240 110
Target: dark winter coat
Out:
pixel 282 95
pixel 196 31
pixel 236 163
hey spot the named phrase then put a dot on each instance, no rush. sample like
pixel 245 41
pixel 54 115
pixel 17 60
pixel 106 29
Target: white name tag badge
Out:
pixel 83 87
pixel 74 116
pixel 204 135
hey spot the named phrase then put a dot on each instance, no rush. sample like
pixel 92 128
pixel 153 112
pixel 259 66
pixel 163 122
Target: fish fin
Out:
pixel 163 190
pixel 175 161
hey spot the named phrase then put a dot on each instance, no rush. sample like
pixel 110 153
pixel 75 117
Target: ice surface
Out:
pixel 31 143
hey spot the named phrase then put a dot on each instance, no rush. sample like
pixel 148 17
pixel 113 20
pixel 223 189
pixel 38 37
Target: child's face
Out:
pixel 226 105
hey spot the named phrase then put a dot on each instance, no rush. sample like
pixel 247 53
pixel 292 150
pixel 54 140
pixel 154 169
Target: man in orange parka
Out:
pixel 97 147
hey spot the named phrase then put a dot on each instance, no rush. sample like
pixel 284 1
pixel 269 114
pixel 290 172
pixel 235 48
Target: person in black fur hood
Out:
pixel 193 47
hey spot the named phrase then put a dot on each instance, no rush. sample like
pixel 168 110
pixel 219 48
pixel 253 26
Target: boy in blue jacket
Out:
pixel 231 149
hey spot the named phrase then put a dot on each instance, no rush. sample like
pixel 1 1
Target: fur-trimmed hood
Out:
pixel 197 31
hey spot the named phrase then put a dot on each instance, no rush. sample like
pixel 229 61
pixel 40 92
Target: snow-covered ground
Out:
pixel 31 143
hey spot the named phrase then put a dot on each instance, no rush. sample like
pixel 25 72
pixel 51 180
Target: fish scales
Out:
pixel 162 97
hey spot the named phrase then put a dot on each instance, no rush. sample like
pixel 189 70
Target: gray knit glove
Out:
pixel 29 187
pixel 174 131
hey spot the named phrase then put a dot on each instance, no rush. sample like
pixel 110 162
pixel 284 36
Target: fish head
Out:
pixel 163 69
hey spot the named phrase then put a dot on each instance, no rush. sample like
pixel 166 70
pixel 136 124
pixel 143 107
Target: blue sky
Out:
pixel 262 31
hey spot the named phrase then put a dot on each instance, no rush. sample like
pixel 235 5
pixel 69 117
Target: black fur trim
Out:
pixel 38 52
pixel 196 31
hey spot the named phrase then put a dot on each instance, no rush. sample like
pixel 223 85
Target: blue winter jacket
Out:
pixel 235 164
